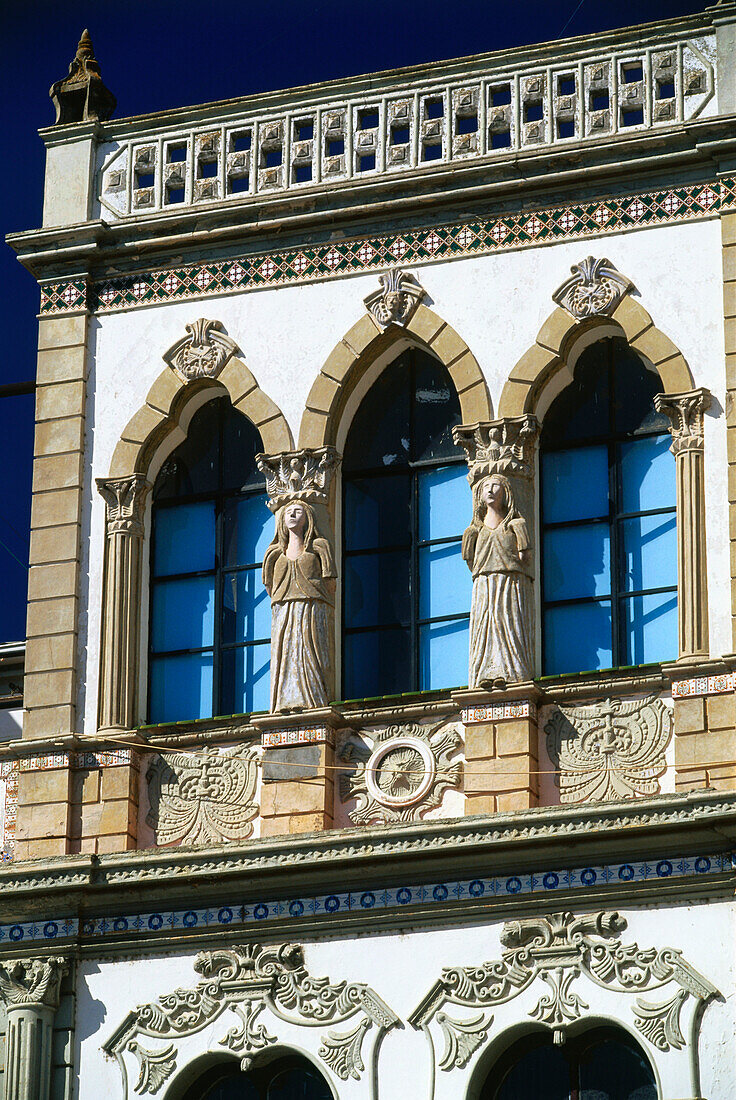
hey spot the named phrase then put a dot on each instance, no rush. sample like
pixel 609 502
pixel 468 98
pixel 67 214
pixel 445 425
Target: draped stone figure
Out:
pixel 497 550
pixel 299 576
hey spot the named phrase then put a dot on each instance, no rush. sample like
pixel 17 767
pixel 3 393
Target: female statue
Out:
pixel 496 548
pixel 298 572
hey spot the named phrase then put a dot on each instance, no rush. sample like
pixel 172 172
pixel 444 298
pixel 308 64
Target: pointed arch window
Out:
pixel 210 614
pixel 406 590
pixel 609 538
pixel 290 1077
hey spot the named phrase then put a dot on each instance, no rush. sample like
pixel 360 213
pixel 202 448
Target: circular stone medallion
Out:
pixel 400 772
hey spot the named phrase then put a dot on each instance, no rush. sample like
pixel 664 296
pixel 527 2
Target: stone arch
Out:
pixel 560 332
pixel 362 345
pixel 168 398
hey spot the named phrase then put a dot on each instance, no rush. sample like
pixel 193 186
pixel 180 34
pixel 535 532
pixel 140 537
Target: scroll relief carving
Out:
pixel 609 750
pixel 32 982
pixel 258 986
pixel 560 950
pixel 202 353
pixel 595 288
pixel 203 798
pixel 397 300
pixel 402 775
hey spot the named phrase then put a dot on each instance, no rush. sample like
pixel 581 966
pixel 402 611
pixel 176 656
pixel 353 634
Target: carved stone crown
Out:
pixel 595 288
pixel 498 446
pixel 298 475
pixel 202 353
pixel 397 299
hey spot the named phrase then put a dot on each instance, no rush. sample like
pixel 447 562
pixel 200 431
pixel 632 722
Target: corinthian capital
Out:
pixel 32 981
pixel 298 475
pixel 498 446
pixel 124 499
pixel 685 412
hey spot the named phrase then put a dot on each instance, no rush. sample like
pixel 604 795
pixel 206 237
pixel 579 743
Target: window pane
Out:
pixel 444 500
pixel 379 433
pixel 298 1084
pixel 575 484
pixel 181 687
pixel 649 552
pixel 541 1074
pixel 377 512
pixel 241 442
pixel 248 529
pixel 184 539
pixel 183 614
pixel 246 679
pixel 582 410
pixel 377 589
pixel 443 654
pixel 578 638
pixel 613 1071
pixel 436 409
pixel 577 562
pixel 246 608
pixel 445 583
pixel 647 474
pixel 16 461
pixel 634 388
pixel 377 662
pixel 194 465
pixel 650 627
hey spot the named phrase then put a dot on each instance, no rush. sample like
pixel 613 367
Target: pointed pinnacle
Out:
pixel 85 49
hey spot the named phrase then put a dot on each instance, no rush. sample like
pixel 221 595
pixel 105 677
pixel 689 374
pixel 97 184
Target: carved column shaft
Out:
pixel 30 989
pixel 124 500
pixel 685 411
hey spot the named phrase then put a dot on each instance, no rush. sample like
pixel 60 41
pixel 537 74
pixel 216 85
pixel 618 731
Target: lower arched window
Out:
pixel 604 1063
pixel 288 1078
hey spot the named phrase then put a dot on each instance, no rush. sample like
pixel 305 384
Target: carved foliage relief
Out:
pixel 595 288
pixel 396 300
pixel 202 353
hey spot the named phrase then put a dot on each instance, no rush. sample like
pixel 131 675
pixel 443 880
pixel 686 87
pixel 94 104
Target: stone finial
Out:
pixel 81 96
pixel 498 446
pixel 594 289
pixel 202 353
pixel 32 981
pixel 396 300
pixel 298 475
pixel 685 412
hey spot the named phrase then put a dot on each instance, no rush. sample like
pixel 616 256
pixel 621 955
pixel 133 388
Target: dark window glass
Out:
pixel 273 158
pixel 240 143
pixel 207 169
pixel 289 1078
pixel 406 589
pixel 303 173
pixel 599 100
pixel 400 135
pixel 609 539
pixel 533 112
pixel 238 184
pixel 467 124
pixel 500 139
pixel 566 129
pixel 210 614
pixel 434 108
pixel 501 95
pixel 304 131
pixel 177 153
pixel 336 147
pixel 17 405
pixel 367 163
pixel 174 195
pixel 144 179
pixel 566 85
pixel 632 117
pixel 632 73
pixel 666 89
pixel 432 152
pixel 368 120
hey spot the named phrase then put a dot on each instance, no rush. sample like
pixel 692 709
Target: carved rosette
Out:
pixel 125 499
pixel 397 299
pixel 259 986
pixel 609 750
pixel 685 412
pixel 298 475
pixel 32 982
pixel 202 353
pixel 203 798
pixel 594 289
pixel 402 776
pixel 498 446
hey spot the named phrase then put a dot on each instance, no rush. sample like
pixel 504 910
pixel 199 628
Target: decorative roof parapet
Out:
pixel 81 96
pixel 594 289
pixel 202 353
pixel 498 446
pixel 685 411
pixel 397 299
pixel 298 475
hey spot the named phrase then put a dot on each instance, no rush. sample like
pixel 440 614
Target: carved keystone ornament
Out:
pixel 595 288
pixel 202 353
pixel 396 301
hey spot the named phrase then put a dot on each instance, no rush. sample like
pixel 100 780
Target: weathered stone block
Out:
pixel 721 713
pixel 67 364
pixel 49 544
pixel 515 736
pixel 689 715
pixel 516 801
pixel 57 471
pixel 58 436
pixel 61 506
pixel 51 652
pixel 480 742
pixel 57 616
pixel 48 721
pixel 59 400
pixel 59 332
pixel 448 345
pixel 48 581
pixel 45 689
pixel 338 363
pixel 43 786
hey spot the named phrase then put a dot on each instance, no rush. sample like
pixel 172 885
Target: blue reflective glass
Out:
pixel 246 608
pixel 577 562
pixel 444 497
pixel 377 512
pixel 577 638
pixel 183 614
pixel 246 679
pixel 377 589
pixel 649 552
pixel 443 654
pixel 184 539
pixel 377 662
pixel 248 529
pixel 650 627
pixel 575 484
pixel 647 474
pixel 181 687
pixel 445 583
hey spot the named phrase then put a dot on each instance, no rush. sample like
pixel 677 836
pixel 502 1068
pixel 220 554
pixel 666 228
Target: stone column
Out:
pixel 30 988
pixel 685 411
pixel 121 601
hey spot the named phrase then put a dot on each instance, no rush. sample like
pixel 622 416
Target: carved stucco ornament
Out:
pixel 560 950
pixel 609 750
pixel 258 986
pixel 203 798
pixel 594 289
pixel 397 299
pixel 685 412
pixel 298 475
pixel 32 982
pixel 202 353
pixel 402 776
pixel 498 446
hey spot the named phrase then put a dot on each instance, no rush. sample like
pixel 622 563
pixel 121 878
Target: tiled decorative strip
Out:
pixel 704 685
pixel 498 712
pixel 481 236
pixel 75 760
pixel 312 736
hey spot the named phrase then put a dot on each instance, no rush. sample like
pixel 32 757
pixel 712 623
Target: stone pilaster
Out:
pixel 501 750
pixel 728 239
pixel 685 411
pixel 298 777
pixel 30 988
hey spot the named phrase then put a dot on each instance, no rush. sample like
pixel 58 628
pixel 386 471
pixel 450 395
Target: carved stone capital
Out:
pixel 124 502
pixel 498 446
pixel 202 353
pixel 685 411
pixel 594 289
pixel 298 475
pixel 396 300
pixel 32 982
